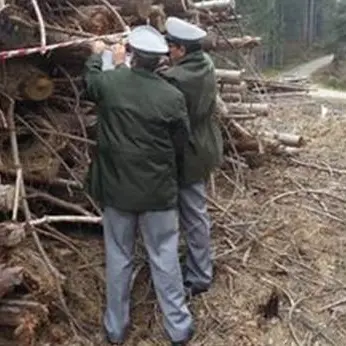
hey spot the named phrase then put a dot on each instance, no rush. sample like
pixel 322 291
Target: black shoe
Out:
pixel 192 291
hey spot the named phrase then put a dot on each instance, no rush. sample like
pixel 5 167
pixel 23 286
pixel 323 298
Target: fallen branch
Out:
pixel 257 108
pixel 229 76
pixel 231 97
pixel 41 24
pixel 66 219
pixel 287 139
pixel 214 4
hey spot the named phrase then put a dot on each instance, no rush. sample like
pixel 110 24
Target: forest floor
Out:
pixel 279 247
pixel 279 231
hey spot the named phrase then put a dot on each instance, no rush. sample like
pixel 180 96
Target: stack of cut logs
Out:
pixel 48 128
pixel 241 99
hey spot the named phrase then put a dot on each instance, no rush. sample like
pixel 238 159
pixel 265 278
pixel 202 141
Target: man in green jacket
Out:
pixel 142 126
pixel 193 73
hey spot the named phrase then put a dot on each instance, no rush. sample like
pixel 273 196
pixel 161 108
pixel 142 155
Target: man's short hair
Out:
pixel 145 61
pixel 190 47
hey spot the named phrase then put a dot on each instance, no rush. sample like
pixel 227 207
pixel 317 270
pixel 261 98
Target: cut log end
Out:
pixel 37 88
pixel 100 22
pixel 287 139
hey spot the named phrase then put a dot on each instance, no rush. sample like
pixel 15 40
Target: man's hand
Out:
pixel 98 47
pixel 119 54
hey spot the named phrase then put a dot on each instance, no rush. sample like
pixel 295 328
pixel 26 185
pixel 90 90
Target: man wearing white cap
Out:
pixel 142 126
pixel 193 73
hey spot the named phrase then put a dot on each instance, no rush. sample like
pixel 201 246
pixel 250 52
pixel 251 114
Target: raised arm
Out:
pixel 94 76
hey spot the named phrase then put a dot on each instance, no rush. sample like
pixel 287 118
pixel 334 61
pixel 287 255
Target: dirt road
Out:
pixel 307 69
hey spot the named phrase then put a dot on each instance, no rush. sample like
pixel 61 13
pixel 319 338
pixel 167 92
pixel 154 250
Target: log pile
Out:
pixel 240 100
pixel 48 130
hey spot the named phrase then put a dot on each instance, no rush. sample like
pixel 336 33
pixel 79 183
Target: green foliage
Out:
pixel 303 22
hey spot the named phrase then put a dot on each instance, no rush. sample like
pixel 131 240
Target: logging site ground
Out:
pixel 279 245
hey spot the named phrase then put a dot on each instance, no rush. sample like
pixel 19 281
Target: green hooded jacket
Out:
pixel 194 76
pixel 142 126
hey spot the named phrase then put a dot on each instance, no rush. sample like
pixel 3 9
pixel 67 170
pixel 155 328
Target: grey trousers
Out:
pixel 160 235
pixel 194 220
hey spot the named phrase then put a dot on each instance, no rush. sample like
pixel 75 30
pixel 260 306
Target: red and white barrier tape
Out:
pixel 27 51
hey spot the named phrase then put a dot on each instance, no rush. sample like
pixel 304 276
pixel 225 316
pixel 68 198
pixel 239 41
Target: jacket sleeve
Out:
pixel 93 77
pixel 180 127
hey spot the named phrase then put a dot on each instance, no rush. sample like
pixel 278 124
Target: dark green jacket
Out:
pixel 194 76
pixel 142 125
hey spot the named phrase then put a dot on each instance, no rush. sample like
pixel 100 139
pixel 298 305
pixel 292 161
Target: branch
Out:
pixel 41 23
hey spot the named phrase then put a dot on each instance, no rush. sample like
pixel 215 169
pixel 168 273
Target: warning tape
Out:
pixel 32 50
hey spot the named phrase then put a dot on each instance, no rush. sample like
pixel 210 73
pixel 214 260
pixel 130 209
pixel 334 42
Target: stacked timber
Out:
pixel 241 99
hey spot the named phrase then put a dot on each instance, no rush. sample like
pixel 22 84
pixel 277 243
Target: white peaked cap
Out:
pixel 184 31
pixel 147 39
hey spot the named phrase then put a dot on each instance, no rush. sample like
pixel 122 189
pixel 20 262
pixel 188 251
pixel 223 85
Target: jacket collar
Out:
pixel 191 57
pixel 143 72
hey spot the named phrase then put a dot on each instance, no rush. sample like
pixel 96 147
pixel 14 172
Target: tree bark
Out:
pixel 216 43
pixel 288 139
pixel 24 317
pixel 173 6
pixel 234 88
pixel 139 8
pixel 214 5
pixel 7 194
pixel 9 278
pixel 257 108
pixel 249 116
pixel 229 76
pixel 231 97
pixel 11 234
